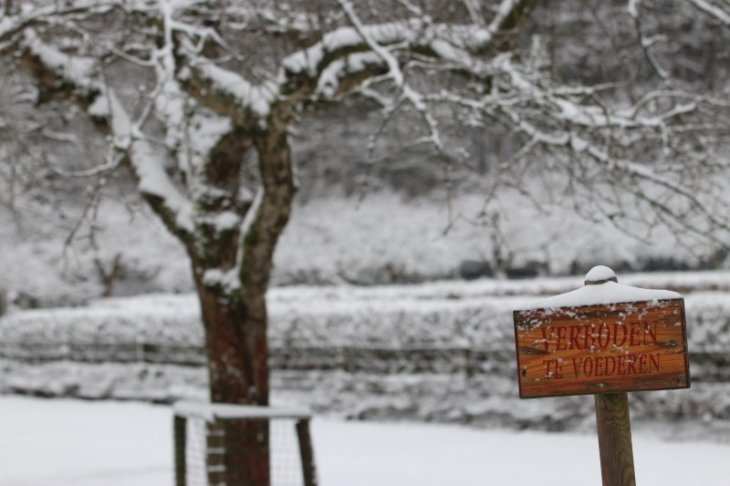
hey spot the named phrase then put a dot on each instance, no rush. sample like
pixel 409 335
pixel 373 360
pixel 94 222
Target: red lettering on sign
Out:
pixel 548 367
pixel 655 361
pixel 604 337
pixel 574 333
pixel 589 339
pixel 553 368
pixel 616 328
pixel 601 348
pixel 630 365
pixel 588 370
pixel 599 366
pixel 610 365
pixel 576 365
pixel 635 333
pixel 650 331
pixel 561 339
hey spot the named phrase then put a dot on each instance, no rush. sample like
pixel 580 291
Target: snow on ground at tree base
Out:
pixel 67 442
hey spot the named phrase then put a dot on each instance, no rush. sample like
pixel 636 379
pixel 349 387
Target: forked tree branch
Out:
pixel 81 78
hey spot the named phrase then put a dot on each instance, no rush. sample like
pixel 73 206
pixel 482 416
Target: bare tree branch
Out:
pixel 720 12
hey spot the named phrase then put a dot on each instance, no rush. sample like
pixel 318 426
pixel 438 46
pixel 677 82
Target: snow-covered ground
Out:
pixel 68 442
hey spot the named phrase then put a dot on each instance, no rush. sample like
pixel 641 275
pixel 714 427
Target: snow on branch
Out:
pixel 345 40
pixel 227 92
pixel 393 65
pixel 350 52
pixel 59 70
pixel 149 167
pixel 449 42
pixel 79 71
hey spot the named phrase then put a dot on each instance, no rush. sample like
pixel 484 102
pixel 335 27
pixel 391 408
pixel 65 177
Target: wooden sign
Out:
pixel 591 349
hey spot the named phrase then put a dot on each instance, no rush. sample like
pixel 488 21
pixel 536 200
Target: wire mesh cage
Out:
pixel 206 434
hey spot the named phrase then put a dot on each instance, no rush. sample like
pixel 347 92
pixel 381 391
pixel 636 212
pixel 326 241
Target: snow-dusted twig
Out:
pixel 719 12
pixel 396 75
pixel 646 43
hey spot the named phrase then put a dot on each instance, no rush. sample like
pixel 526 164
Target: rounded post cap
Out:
pixel 600 274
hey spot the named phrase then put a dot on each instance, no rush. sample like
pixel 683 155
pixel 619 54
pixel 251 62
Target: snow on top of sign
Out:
pixel 600 289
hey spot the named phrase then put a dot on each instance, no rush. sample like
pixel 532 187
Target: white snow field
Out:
pixel 70 442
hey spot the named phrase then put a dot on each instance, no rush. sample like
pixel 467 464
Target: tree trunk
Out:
pixel 238 372
pixel 236 320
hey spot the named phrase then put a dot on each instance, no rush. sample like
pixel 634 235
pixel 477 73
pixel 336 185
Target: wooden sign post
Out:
pixel 604 339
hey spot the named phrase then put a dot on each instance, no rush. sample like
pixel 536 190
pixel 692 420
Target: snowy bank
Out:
pixel 440 351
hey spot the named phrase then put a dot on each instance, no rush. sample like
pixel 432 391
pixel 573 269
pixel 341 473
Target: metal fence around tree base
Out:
pixel 201 433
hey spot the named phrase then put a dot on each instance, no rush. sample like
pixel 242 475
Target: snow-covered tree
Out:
pixel 197 98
